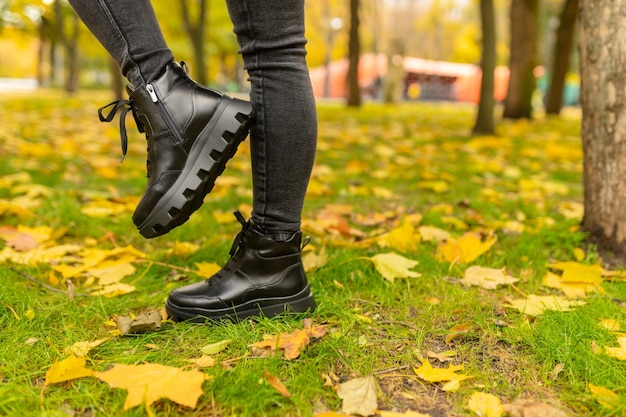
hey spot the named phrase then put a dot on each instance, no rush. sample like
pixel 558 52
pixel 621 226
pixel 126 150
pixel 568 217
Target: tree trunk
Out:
pixel 524 29
pixel 196 31
pixel 484 119
pixel 70 46
pixel 603 94
pixel 354 92
pixel 561 56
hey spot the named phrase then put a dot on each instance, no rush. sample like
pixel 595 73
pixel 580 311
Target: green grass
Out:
pixel 373 159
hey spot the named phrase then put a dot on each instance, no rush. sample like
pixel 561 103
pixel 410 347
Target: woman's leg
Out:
pixel 283 139
pixel 130 32
pixel 192 131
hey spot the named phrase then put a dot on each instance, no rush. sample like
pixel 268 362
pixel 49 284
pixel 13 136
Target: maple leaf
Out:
pixel 392 266
pixel 148 383
pixel 465 249
pixel 292 343
pixel 610 324
pixel 430 374
pixel 359 396
pixel 312 260
pixel 576 279
pixel 535 305
pixel 617 352
pixel 433 234
pixel 72 367
pixel 403 238
pixel 207 269
pixel 488 278
pixel 604 396
pixel 485 405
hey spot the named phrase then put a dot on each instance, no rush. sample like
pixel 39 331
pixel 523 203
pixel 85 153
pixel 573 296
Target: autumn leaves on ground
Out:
pixel 450 275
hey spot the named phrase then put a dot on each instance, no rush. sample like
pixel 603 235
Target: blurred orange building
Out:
pixel 424 79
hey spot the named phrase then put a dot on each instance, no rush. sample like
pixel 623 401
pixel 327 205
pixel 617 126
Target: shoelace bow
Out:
pixel 125 106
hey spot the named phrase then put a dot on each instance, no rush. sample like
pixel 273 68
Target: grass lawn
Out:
pixel 405 179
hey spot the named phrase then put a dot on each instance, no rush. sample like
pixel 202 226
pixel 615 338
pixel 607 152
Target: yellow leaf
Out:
pixel 488 278
pixel 113 290
pixel 445 356
pixel 207 269
pixel 72 367
pixel 183 248
pixel 81 349
pixel 359 396
pixel 433 234
pixel 430 374
pixel 312 260
pixel 277 384
pixel 575 272
pixel 535 305
pixel 111 272
pixel 204 361
pixel 604 396
pixel 148 383
pixel 465 249
pixel 403 238
pixel 610 324
pixel 579 254
pixel 571 290
pixel 617 352
pixel 392 266
pixel 485 405
pixel 29 314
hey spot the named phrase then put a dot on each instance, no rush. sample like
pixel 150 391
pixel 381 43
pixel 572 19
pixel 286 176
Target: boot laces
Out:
pixel 236 250
pixel 124 106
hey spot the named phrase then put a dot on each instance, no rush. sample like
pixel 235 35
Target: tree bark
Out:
pixel 603 93
pixel 561 56
pixel 196 31
pixel 70 46
pixel 354 52
pixel 484 119
pixel 524 29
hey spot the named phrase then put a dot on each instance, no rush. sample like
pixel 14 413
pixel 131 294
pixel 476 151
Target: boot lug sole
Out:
pixel 217 143
pixel 302 302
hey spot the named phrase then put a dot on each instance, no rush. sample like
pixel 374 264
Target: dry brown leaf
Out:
pixel 146 322
pixel 529 408
pixel 456 331
pixel 485 405
pixel 277 384
pixel 292 343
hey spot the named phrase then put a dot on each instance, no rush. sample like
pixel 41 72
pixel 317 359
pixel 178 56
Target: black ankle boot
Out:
pixel 262 278
pixel 192 132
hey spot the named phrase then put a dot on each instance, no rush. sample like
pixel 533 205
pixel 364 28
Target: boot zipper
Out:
pixel 164 113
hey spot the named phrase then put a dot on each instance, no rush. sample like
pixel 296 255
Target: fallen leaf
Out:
pixel 312 260
pixel 359 396
pixel 204 361
pixel 443 356
pixel 277 384
pixel 403 238
pixel 82 348
pixel 392 266
pixel 148 383
pixel 535 305
pixel 465 249
pixel 604 396
pixel 207 269
pixel 488 278
pixel 457 331
pixel 430 374
pixel 529 408
pixel 485 405
pixel 214 348
pixel 292 343
pixel 145 322
pixel 610 324
pixel 617 352
pixel 433 234
pixel 72 367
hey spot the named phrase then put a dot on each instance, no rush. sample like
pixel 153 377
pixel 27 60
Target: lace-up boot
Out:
pixel 192 131
pixel 263 277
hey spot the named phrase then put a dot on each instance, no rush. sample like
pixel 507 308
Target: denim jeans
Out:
pixel 271 37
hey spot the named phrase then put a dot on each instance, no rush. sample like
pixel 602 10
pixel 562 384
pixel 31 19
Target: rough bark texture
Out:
pixel 484 119
pixel 524 30
pixel 603 95
pixel 69 40
pixel 561 55
pixel 196 31
pixel 354 53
